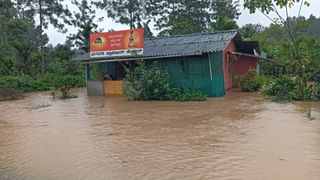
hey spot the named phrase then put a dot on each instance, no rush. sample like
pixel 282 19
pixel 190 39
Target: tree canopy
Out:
pixel 85 21
pixel 191 16
pixel 291 39
pixel 49 12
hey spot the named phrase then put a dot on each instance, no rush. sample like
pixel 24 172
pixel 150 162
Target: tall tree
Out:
pixel 7 12
pixel 18 41
pixel 147 31
pixel 249 30
pixel 224 14
pixel 180 16
pixel 22 37
pixel 293 51
pixel 84 21
pixel 223 23
pixel 129 12
pixel 48 12
pixel 284 21
pixel 225 8
pixel 190 16
pixel 59 60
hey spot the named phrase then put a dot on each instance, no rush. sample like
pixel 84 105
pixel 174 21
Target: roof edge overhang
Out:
pixel 235 36
pixel 135 58
pixel 255 56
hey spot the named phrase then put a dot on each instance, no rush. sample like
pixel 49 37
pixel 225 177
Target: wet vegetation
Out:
pixel 29 63
pixel 151 83
pixel 64 84
pixel 251 81
pixel 45 83
pixel 9 94
pixel 294 44
pixel 23 68
pixel 290 88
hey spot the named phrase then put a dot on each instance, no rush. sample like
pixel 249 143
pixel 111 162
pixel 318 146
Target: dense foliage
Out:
pixel 20 41
pixel 47 82
pixel 291 88
pixel 250 81
pixel 9 94
pixel 174 17
pixel 142 83
pixel 49 12
pixel 152 83
pixel 292 42
pixel 84 20
pixel 316 91
pixel 29 63
pixel 179 94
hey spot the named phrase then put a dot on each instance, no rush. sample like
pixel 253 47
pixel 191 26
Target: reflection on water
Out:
pixel 241 136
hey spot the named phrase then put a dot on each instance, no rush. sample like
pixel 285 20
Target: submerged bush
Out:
pixel 141 83
pixel 67 95
pixel 55 80
pixel 23 83
pixel 290 88
pixel 9 94
pixel 152 83
pixel 316 91
pixel 179 94
pixel 64 84
pixel 250 81
pixel 47 82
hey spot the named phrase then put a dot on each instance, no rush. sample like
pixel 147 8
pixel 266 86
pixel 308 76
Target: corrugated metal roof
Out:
pixel 81 56
pixel 188 44
pixel 182 45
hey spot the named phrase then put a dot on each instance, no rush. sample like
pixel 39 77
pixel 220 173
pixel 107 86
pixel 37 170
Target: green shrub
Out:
pixel 179 94
pixel 289 88
pixel 250 81
pixel 9 94
pixel 47 82
pixel 67 96
pixel 23 83
pixel 152 83
pixel 55 81
pixel 142 83
pixel 316 91
pixel 280 88
pixel 316 76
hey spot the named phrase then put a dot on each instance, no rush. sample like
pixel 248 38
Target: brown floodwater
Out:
pixel 241 136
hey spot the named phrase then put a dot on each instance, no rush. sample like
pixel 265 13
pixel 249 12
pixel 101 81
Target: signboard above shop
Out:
pixel 117 43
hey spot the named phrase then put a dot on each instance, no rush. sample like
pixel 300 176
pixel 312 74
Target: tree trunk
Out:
pixel 41 39
pixel 131 20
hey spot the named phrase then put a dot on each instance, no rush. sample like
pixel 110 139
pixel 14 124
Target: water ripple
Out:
pixel 241 136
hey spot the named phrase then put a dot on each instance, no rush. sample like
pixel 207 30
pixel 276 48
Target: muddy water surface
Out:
pixel 241 136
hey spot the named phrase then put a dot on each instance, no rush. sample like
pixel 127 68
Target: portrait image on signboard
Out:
pixel 117 43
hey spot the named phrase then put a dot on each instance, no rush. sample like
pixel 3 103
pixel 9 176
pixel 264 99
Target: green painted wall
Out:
pixel 193 72
pixel 218 88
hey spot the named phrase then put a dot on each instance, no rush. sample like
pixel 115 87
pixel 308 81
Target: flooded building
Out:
pixel 208 62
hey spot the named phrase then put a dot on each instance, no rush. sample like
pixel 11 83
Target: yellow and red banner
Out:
pixel 117 43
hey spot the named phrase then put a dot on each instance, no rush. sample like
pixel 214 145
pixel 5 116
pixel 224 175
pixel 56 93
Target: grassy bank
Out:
pixel 11 87
pixel 47 82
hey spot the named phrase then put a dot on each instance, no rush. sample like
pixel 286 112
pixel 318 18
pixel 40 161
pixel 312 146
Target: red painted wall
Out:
pixel 243 64
pixel 227 65
pixel 238 67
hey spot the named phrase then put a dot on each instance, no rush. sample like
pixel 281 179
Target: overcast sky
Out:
pixel 245 18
